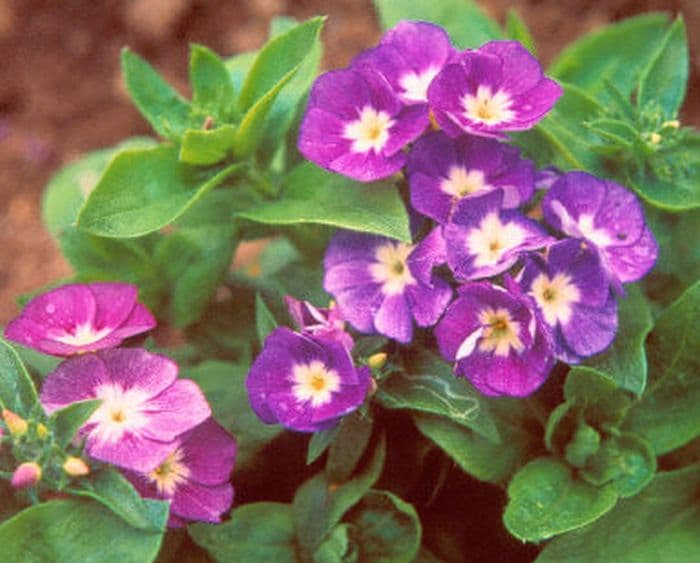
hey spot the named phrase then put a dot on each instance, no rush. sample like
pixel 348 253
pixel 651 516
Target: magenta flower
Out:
pixel 304 383
pixel 355 125
pixel 194 476
pixel 144 409
pixel 572 291
pixel 78 318
pixel 495 88
pixel 483 240
pixel 375 288
pixel 313 321
pixel 409 56
pixel 608 216
pixel 442 171
pixel 496 339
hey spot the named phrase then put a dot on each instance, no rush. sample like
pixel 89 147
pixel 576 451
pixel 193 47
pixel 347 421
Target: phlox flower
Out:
pixel 496 339
pixel 487 91
pixel 194 476
pixel 145 407
pixel 572 291
pixel 314 321
pixel 442 171
pixel 77 318
pixel 608 216
pixel 304 383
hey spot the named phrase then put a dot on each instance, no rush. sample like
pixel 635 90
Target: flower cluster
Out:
pixel 154 426
pixel 529 291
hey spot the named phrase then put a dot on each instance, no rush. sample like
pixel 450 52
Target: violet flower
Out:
pixel 194 476
pixel 377 291
pixel 608 216
pixel 409 56
pixel 326 322
pixel 495 88
pixel 483 240
pixel 78 318
pixel 144 406
pixel 572 291
pixel 356 126
pixel 496 339
pixel 304 383
pixel 443 171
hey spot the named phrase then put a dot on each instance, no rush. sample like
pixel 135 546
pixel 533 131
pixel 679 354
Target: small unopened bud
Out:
pixel 75 467
pixel 42 431
pixel 671 124
pixel 377 361
pixel 655 138
pixel 15 423
pixel 26 475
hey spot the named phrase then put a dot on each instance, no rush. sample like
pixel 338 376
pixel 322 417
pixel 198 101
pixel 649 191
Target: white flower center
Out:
pixel 82 335
pixel 370 131
pixel 555 297
pixel 314 382
pixel 169 474
pixel 492 239
pixel 461 182
pixel 415 85
pixel 488 107
pixel 121 410
pixel 390 268
pixel 501 333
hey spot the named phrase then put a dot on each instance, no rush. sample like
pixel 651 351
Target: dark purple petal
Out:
pixel 131 451
pixel 428 303
pixel 209 452
pixel 73 380
pixel 393 319
pixel 202 503
pixel 137 368
pixel 430 253
pixel 632 262
pixel 591 330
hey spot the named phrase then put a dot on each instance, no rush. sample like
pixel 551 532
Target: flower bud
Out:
pixel 672 124
pixel 41 431
pixel 75 466
pixel 655 138
pixel 15 423
pixel 377 361
pixel 26 475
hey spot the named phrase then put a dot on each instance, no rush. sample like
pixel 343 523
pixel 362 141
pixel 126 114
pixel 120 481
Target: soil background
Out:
pixel 61 93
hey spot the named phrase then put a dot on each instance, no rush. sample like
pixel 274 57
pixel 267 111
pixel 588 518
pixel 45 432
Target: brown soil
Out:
pixel 61 94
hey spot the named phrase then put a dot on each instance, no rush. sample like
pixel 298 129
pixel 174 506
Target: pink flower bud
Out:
pixel 15 423
pixel 26 475
pixel 75 467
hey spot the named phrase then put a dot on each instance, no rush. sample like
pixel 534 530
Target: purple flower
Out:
pixel 443 171
pixel 496 339
pixel 483 240
pixel 375 288
pixel 409 56
pixel 304 383
pixel 607 215
pixel 78 318
pixel 355 125
pixel 144 406
pixel 572 291
pixel 194 476
pixel 498 87
pixel 313 321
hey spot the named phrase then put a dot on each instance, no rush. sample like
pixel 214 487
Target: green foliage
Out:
pixel 67 421
pixel 76 530
pixel 205 147
pixel 17 391
pixel 213 94
pixel 265 321
pixel 348 446
pixel 517 29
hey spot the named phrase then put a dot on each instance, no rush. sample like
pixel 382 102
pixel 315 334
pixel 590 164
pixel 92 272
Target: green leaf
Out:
pixel 212 89
pixel 223 384
pixel 262 531
pixel 354 433
pixel 431 387
pixel 67 421
pixel 312 195
pixel 585 443
pixel 665 78
pixel 17 391
pixel 319 504
pixel 617 52
pixel 65 193
pixel 76 530
pixel 162 106
pixel 668 414
pixel 545 499
pixel 337 547
pixel 660 524
pixel 144 190
pixel 596 395
pixel 386 528
pixel 517 29
pixel 265 321
pixel 466 23
pixel 113 490
pixel 205 147
pixel 625 361
pixel 319 443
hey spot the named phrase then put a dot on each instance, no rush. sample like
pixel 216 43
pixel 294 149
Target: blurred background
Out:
pixel 61 92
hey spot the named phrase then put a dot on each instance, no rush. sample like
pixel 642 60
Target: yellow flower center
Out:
pixel 461 182
pixel 169 474
pixel 501 332
pixel 370 131
pixel 555 297
pixel 487 107
pixel 492 239
pixel 390 268
pixel 314 382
